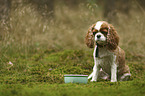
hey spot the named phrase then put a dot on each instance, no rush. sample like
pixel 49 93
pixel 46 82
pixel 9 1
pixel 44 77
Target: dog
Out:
pixel 109 58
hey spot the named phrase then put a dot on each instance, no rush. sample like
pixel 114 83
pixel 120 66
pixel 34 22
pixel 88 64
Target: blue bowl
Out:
pixel 71 78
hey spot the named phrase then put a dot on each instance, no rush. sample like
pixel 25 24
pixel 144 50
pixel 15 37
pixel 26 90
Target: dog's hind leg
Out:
pixel 103 75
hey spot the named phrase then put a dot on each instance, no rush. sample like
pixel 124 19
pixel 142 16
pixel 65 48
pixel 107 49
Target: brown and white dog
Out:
pixel 109 58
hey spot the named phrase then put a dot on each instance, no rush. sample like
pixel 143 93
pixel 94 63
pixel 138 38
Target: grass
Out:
pixel 42 74
pixel 36 53
pixel 119 89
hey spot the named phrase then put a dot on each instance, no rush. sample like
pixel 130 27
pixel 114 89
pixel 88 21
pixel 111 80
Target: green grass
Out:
pixel 100 89
pixel 42 51
pixel 42 74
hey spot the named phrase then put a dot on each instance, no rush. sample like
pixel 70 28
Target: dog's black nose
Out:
pixel 98 36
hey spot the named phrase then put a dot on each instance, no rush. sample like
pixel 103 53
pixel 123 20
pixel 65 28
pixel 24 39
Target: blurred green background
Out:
pixel 28 25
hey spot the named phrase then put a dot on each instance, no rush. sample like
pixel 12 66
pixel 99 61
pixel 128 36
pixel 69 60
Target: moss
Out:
pixel 53 65
pixel 33 74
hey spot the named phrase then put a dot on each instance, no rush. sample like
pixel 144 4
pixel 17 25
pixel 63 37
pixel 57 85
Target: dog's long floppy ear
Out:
pixel 89 39
pixel 112 38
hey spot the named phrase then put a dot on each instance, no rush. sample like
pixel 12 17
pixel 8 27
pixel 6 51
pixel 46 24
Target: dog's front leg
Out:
pixel 95 70
pixel 114 70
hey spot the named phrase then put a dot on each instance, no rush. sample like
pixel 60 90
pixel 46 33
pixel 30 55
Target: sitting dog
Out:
pixel 109 58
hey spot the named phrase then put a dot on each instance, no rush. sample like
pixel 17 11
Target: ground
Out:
pixel 42 74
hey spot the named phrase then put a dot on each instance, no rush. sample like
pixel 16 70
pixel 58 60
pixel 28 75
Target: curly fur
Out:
pixel 111 58
pixel 90 37
pixel 112 37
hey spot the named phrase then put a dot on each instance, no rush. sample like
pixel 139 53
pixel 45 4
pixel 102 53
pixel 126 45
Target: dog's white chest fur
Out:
pixel 111 58
pixel 105 59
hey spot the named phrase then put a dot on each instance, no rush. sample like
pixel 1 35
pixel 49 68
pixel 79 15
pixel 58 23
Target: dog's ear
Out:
pixel 89 39
pixel 112 38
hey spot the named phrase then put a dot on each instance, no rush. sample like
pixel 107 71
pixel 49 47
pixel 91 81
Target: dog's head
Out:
pixel 103 34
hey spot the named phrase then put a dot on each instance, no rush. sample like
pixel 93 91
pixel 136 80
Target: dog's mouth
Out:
pixel 100 42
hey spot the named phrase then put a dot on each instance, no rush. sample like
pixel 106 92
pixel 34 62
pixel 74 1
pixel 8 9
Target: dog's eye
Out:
pixel 94 33
pixel 103 32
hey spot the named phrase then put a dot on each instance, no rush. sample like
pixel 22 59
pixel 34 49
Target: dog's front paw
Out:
pixel 93 80
pixel 90 76
pixel 113 80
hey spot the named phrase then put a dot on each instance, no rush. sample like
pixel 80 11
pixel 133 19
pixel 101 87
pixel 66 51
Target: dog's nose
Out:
pixel 98 36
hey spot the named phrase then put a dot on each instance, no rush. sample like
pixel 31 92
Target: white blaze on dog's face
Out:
pixel 100 32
